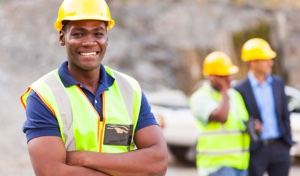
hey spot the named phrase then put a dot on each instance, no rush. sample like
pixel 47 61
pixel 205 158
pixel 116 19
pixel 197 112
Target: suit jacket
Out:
pixel 282 111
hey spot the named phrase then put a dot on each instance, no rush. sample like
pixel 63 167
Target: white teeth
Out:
pixel 88 54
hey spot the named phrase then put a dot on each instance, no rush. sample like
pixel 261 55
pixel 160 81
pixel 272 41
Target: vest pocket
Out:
pixel 118 134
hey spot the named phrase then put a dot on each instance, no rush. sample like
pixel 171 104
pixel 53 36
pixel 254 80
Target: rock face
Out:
pixel 160 43
pixel 158 37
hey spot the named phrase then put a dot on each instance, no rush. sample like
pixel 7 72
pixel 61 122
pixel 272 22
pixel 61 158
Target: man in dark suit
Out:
pixel 266 102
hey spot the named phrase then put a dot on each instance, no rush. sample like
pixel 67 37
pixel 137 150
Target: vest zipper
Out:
pixel 102 108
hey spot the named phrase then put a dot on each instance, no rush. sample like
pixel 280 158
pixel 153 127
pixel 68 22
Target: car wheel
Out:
pixel 183 154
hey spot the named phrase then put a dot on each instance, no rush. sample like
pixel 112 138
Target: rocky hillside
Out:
pixel 163 38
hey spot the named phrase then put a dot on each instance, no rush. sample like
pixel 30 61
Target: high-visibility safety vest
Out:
pixel 80 125
pixel 224 144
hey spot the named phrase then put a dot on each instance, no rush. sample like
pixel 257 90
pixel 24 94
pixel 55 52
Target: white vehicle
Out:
pixel 171 110
pixel 293 96
pixel 179 127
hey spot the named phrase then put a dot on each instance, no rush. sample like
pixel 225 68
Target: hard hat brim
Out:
pixel 58 25
pixel 233 70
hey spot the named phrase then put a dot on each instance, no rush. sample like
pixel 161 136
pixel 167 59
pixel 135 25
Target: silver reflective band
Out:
pixel 65 109
pixel 223 152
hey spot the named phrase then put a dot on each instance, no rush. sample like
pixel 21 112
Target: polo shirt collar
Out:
pixel 105 79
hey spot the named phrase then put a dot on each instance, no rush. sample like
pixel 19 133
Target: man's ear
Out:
pixel 61 38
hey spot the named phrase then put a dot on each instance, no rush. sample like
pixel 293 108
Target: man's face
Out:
pixel 220 82
pixel 262 67
pixel 86 42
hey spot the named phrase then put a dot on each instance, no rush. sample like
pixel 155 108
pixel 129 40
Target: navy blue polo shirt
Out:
pixel 42 122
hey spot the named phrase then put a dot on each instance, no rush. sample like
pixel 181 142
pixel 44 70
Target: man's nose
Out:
pixel 89 41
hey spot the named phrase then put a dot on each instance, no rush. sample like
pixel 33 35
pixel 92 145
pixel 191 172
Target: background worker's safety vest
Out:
pixel 80 125
pixel 224 144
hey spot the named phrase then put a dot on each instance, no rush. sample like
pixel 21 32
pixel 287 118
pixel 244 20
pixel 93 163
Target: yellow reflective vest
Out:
pixel 80 125
pixel 222 144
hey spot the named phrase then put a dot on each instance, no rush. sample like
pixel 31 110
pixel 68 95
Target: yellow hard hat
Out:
pixel 218 63
pixel 257 49
pixel 83 10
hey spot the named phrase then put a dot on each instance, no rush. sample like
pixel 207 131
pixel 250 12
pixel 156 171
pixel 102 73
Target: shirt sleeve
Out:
pixel 40 121
pixel 146 117
pixel 202 106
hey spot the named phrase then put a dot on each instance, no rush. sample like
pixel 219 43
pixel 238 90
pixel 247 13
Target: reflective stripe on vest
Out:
pixel 226 143
pixel 79 122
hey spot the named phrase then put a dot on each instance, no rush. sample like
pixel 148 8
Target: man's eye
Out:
pixel 77 34
pixel 99 34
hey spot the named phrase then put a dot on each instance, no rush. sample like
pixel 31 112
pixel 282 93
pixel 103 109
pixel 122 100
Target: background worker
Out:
pixel 85 118
pixel 266 101
pixel 219 110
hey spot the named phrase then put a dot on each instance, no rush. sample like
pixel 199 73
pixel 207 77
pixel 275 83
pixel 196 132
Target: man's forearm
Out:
pixel 63 169
pixel 54 163
pixel 79 171
pixel 131 163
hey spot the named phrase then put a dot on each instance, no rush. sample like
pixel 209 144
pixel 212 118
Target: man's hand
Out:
pixel 221 84
pixel 258 126
pixel 75 158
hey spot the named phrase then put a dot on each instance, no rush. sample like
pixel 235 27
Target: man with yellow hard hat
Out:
pixel 266 102
pixel 220 113
pixel 85 118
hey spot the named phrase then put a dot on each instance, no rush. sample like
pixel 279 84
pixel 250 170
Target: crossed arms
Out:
pixel 49 157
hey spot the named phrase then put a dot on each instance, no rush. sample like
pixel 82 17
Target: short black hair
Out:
pixel 64 23
pixel 106 23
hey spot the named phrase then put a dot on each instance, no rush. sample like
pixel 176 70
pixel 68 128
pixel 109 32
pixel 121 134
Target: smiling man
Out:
pixel 85 118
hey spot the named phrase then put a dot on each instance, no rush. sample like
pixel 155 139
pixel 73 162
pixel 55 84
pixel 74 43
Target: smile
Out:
pixel 88 54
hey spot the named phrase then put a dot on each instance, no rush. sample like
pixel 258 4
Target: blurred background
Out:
pixel 160 43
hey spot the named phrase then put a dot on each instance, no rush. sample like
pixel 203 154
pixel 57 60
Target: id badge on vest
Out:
pixel 118 134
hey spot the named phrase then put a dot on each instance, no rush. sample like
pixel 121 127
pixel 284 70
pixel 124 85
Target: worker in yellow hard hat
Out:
pixel 220 114
pixel 266 102
pixel 85 118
